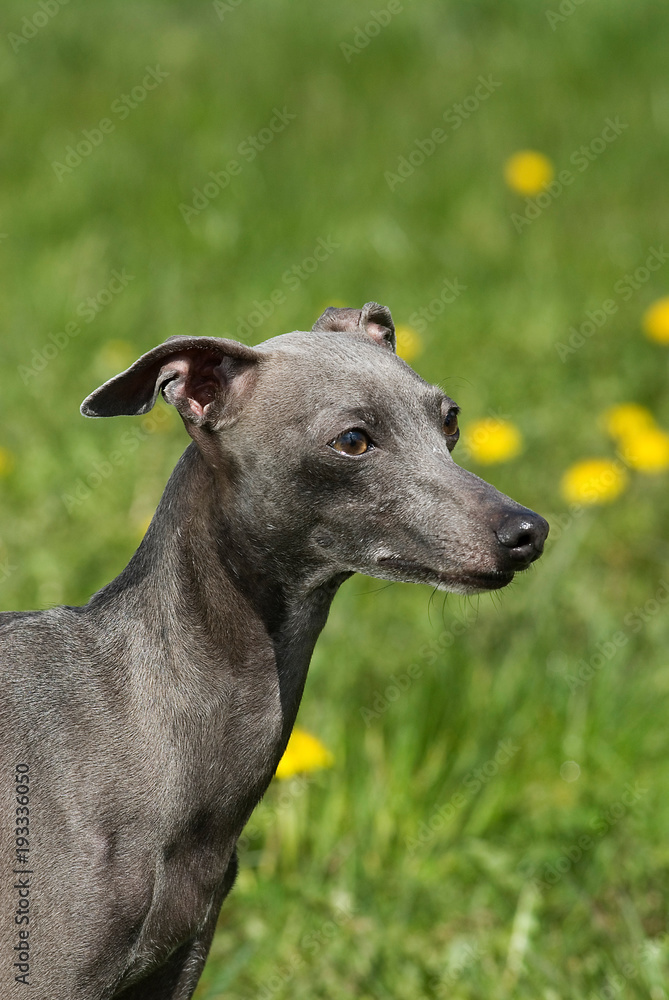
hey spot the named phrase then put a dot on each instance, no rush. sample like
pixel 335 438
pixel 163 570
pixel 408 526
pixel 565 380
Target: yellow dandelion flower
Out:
pixel 528 172
pixel 409 343
pixel 627 419
pixel 493 440
pixel 6 461
pixel 647 451
pixel 303 754
pixel 656 321
pixel 593 481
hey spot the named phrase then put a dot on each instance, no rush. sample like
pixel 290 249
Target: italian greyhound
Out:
pixel 138 732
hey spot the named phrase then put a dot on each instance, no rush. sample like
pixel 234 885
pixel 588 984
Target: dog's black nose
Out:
pixel 522 534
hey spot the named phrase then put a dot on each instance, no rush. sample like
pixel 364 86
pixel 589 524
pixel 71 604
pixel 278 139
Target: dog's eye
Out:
pixel 451 423
pixel 353 442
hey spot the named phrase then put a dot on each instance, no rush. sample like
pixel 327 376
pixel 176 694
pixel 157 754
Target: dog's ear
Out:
pixel 372 319
pixel 205 378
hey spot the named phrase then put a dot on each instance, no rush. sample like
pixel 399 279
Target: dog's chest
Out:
pixel 220 748
pixel 210 798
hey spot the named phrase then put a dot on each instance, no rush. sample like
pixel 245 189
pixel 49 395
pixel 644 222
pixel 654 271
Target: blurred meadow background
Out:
pixel 479 807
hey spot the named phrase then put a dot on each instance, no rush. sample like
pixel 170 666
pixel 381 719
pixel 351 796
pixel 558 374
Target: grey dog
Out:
pixel 138 732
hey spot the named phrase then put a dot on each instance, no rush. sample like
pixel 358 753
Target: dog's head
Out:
pixel 332 451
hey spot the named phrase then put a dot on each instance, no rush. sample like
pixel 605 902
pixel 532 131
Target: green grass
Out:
pixel 343 892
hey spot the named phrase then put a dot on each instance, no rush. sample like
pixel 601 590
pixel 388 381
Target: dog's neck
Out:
pixel 201 580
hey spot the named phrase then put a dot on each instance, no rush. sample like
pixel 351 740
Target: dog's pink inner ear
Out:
pixel 373 319
pixel 380 334
pixel 377 322
pixel 194 383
